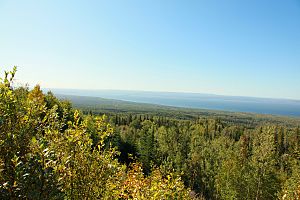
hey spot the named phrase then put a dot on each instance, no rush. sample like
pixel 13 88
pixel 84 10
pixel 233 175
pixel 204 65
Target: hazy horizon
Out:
pixel 166 92
pixel 232 48
pixel 273 106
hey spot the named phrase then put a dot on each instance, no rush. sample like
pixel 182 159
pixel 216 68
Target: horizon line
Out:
pixel 176 92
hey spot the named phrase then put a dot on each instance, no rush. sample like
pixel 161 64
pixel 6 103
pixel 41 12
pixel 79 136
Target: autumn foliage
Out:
pixel 48 150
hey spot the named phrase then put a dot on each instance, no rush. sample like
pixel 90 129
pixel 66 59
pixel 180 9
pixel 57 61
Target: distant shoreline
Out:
pixel 270 106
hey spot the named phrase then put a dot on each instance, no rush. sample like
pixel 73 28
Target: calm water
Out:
pixel 194 100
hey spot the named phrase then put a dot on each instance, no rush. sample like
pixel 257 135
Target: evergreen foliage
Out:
pixel 48 150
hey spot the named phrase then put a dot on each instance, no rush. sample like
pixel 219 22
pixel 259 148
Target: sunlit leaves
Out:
pixel 50 151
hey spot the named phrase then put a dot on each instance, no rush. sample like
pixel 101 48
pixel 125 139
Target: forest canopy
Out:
pixel 49 150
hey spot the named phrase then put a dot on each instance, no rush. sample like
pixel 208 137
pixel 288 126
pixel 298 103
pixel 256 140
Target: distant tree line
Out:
pixel 48 150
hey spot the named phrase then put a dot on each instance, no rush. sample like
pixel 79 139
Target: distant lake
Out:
pixel 196 100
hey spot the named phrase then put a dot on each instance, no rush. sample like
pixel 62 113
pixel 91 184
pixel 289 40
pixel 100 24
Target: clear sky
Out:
pixel 242 47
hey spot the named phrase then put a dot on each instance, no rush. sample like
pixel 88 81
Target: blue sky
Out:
pixel 241 48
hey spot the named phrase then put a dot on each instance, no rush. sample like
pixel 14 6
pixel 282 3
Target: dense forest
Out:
pixel 49 150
